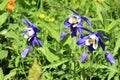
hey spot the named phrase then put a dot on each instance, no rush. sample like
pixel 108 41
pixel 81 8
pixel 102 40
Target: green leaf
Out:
pixel 117 46
pixel 52 31
pixel 56 64
pixel 3 4
pixel 3 17
pixel 66 40
pixel 1 74
pixel 99 12
pixel 35 71
pixel 11 34
pixel 49 55
pixel 10 75
pixel 110 26
pixel 3 54
pixel 112 73
pixel 17 60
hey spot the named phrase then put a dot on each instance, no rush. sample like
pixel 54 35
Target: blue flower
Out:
pixel 64 33
pixel 92 40
pixel 110 57
pixel 83 57
pixel 25 52
pixel 30 33
pixel 75 23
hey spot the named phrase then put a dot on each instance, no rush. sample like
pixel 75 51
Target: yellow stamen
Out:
pixel 74 20
pixel 92 41
pixel 27 33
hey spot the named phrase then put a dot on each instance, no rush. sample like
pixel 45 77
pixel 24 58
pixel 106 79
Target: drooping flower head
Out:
pixel 31 34
pixel 25 52
pixel 64 33
pixel 92 40
pixel 83 57
pixel 75 22
pixel 110 57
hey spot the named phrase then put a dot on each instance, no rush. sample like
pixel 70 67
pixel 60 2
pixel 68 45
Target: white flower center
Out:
pixel 93 40
pixel 28 32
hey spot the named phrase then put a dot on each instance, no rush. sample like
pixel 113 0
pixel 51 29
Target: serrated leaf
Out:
pixel 49 55
pixel 3 17
pixel 35 71
pixel 3 4
pixel 10 75
pixel 1 74
pixel 3 54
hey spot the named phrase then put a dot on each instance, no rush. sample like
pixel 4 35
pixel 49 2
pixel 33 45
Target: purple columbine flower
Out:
pixel 92 40
pixel 30 33
pixel 110 57
pixel 75 23
pixel 25 52
pixel 62 36
pixel 83 57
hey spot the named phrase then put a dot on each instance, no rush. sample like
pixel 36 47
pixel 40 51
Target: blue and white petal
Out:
pixel 28 32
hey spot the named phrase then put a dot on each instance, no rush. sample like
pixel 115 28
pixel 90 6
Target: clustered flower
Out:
pixel 91 40
pixel 10 5
pixel 75 23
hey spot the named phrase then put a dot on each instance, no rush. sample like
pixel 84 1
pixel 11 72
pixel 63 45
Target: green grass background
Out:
pixel 58 60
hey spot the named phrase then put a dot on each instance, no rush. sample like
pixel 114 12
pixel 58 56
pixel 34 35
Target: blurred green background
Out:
pixel 58 60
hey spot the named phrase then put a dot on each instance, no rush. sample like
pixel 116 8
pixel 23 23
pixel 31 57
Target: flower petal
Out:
pixel 31 25
pixel 101 44
pixel 88 21
pixel 83 57
pixel 86 29
pixel 66 23
pixel 62 36
pixel 35 40
pixel 81 41
pixel 110 57
pixel 25 52
pixel 76 13
pixel 73 31
pixel 101 35
pixel 87 42
pixel 38 42
pixel 90 48
pixel 31 41
pixel 80 32
pixel 95 45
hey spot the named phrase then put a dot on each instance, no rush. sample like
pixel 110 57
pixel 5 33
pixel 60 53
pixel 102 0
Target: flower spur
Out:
pixel 30 33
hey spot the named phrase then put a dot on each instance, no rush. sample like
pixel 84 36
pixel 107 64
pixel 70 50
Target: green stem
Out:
pixel 73 56
pixel 22 68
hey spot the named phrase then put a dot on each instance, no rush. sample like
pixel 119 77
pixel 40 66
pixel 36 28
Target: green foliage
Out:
pixel 58 60
pixel 3 54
